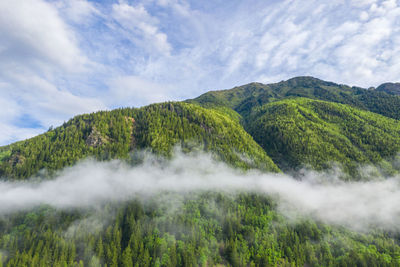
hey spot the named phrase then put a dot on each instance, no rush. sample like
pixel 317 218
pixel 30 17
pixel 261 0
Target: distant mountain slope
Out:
pixel 114 134
pixel 304 131
pixel 390 88
pixel 244 98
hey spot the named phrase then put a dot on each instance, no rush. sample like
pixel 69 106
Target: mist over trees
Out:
pixel 282 127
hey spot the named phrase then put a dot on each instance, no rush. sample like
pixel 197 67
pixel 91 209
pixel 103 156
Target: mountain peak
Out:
pixel 390 88
pixel 307 81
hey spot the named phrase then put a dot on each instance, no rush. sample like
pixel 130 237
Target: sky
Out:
pixel 62 58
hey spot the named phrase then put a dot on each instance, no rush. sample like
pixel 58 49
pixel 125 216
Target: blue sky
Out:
pixel 66 57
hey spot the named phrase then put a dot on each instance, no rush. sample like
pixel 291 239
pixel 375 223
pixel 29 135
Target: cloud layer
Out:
pixel 61 58
pixel 322 196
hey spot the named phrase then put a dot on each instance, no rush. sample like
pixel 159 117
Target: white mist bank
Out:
pixel 322 196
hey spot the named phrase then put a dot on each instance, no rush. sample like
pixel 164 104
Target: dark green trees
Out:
pixel 240 231
pixel 303 131
pixel 116 134
pixel 296 122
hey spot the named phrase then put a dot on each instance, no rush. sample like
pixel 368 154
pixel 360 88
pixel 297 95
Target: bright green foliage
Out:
pixel 244 98
pixel 114 134
pixel 68 143
pixel 211 229
pixel 5 152
pixel 161 126
pixel 208 230
pixel 216 128
pixel 304 131
pixel 295 134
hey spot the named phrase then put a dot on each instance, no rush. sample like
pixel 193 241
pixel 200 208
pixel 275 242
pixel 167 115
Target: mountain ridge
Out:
pixel 244 98
pixel 391 88
pixel 158 127
pixel 270 128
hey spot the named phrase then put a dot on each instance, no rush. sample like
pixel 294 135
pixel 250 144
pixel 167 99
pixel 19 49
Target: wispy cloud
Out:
pixel 141 28
pixel 35 37
pixel 37 50
pixel 78 11
pixel 86 49
pixel 135 91
pixel 321 196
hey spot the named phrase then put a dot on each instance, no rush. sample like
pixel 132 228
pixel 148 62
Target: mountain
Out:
pixel 390 88
pixel 244 98
pixel 280 127
pixel 307 121
pixel 300 131
pixel 122 132
pixel 244 126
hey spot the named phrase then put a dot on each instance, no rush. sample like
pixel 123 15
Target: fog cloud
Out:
pixel 322 196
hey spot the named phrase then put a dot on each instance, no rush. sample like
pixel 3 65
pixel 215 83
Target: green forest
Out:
pixel 209 229
pixel 277 128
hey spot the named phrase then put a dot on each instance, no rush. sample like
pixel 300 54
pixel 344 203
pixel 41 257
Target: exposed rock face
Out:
pixel 95 138
pixel 16 159
pixel 132 127
pixel 129 119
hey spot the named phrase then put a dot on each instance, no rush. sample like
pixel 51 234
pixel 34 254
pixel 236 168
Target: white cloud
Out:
pixel 264 42
pixel 180 7
pixel 46 103
pixel 33 35
pixel 26 94
pixel 135 91
pixel 297 38
pixel 363 3
pixel 141 28
pixel 10 132
pixel 78 11
pixel 37 51
pixel 321 196
pixel 113 54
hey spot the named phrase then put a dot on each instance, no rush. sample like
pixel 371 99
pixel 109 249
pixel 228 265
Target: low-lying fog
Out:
pixel 322 196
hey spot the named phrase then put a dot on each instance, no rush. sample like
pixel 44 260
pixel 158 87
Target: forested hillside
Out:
pixel 122 132
pixel 302 131
pixel 282 127
pixel 295 135
pixel 390 88
pixel 244 98
pixel 209 230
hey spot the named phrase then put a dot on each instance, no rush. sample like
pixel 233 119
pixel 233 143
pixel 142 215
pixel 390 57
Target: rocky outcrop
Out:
pixel 16 159
pixel 95 139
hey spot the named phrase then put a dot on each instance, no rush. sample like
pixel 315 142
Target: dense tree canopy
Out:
pixel 119 133
pixel 244 98
pixel 300 122
pixel 208 230
pixel 318 133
